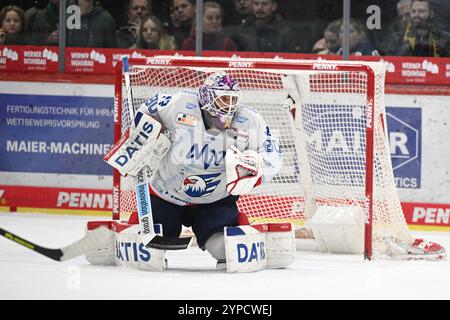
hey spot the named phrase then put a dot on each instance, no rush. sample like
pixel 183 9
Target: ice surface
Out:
pixel 25 274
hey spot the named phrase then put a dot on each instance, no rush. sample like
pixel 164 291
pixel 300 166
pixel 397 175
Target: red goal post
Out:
pixel 329 117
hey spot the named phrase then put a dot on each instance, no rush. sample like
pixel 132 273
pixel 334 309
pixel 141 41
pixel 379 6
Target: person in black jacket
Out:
pixel 185 12
pixel 138 10
pixel 243 10
pixel 266 31
pixel 213 36
pixel 97 28
pixel 422 36
pixel 359 43
pixel 45 25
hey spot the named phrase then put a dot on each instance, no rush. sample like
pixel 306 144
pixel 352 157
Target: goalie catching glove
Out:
pixel 145 145
pixel 243 169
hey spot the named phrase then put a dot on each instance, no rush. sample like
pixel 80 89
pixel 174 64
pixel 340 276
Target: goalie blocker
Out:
pixel 144 146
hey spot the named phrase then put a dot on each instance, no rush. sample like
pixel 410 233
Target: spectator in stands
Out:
pixel 329 44
pixel 137 11
pixel 320 47
pixel 30 14
pixel 174 23
pixel 45 25
pixel 359 44
pixel 441 9
pixel 403 14
pixel 97 28
pixel 243 11
pixel 213 37
pixel 227 8
pixel 266 31
pixel 12 26
pixel 398 25
pixel 185 12
pixel 421 37
pixel 402 19
pixel 153 35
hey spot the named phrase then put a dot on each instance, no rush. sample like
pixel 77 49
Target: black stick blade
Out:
pixel 54 254
pixel 167 243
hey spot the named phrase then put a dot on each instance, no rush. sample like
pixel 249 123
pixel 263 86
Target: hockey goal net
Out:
pixel 329 119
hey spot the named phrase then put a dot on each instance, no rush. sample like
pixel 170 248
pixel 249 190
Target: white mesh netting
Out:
pixel 325 147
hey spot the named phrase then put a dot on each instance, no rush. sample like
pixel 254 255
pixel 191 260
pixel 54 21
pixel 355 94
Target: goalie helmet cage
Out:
pixel 329 118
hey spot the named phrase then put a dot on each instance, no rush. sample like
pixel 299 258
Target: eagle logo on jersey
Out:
pixel 200 185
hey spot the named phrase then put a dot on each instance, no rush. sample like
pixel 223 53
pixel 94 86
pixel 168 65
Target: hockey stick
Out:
pixel 78 248
pixel 149 237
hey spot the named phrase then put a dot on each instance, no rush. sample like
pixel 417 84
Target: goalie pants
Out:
pixel 205 219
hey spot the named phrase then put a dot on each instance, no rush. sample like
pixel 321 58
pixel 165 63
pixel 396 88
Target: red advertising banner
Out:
pixel 88 60
pixel 400 70
pixel 40 59
pixel 427 214
pixel 55 198
pixel 10 59
pixel 420 215
pixel 28 58
pixel 414 70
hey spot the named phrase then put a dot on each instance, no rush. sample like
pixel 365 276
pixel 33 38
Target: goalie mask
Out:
pixel 219 97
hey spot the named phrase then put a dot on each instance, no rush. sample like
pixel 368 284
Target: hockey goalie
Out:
pixel 203 149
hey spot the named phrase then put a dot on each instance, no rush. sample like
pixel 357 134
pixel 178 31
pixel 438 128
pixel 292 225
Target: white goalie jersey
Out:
pixel 193 171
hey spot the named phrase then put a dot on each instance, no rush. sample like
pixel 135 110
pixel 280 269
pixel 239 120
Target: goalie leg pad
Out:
pixel 280 244
pixel 131 252
pixel 339 229
pixel 245 249
pixel 215 245
pixel 125 248
pixel 103 253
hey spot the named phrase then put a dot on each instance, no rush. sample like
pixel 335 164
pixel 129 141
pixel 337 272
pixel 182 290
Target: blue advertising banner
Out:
pixel 405 140
pixel 55 134
pixel 70 135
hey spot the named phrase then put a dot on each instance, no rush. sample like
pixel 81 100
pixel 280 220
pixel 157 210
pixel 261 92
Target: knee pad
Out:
pixel 215 245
